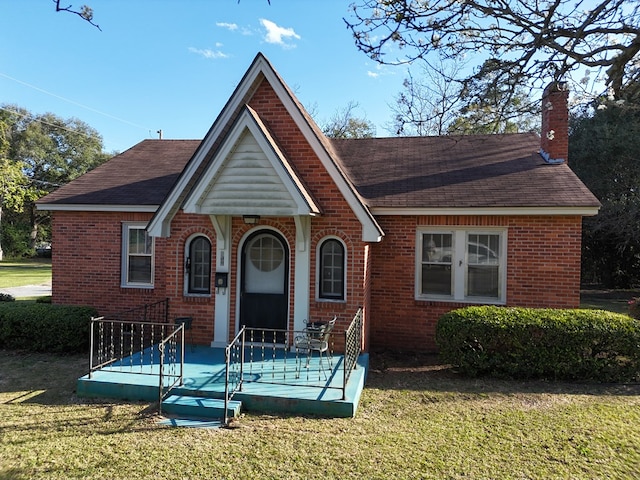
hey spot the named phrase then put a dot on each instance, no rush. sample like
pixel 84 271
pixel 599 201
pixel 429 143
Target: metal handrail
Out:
pixel 230 350
pixel 352 348
pixel 179 378
pixel 120 339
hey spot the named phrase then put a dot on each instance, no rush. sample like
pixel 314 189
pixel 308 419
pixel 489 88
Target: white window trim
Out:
pixel 318 264
pixel 459 265
pixel 124 283
pixel 187 246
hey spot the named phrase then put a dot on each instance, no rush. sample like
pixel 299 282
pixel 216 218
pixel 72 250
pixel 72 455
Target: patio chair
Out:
pixel 316 339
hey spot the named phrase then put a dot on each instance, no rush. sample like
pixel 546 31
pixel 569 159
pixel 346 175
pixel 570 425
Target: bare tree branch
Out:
pixel 85 12
pixel 537 41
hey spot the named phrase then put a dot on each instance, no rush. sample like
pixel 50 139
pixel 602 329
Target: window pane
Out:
pixel 437 247
pixel 200 272
pixel 139 269
pixel 436 279
pixel 266 253
pixel 483 249
pixel 482 281
pixel 437 253
pixel 332 270
pixel 483 260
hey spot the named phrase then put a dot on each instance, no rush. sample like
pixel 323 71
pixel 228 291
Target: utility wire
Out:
pixel 74 102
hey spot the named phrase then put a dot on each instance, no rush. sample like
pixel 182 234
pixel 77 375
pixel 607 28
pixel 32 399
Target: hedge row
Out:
pixel 42 327
pixel 592 345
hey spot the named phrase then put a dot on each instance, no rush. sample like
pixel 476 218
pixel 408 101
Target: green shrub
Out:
pixel 5 297
pixel 541 343
pixel 42 327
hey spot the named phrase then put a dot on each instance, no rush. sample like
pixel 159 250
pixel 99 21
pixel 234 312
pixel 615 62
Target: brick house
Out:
pixel 266 222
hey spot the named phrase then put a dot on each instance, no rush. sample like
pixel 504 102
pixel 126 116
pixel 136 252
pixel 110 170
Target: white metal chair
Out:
pixel 316 339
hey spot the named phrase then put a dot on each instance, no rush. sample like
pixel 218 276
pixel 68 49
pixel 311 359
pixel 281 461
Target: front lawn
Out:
pixel 417 419
pixel 16 273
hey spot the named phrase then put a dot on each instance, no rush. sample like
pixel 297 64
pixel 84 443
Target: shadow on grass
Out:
pixel 425 372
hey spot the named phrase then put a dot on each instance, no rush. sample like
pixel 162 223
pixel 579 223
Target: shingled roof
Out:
pixel 458 172
pixel 140 176
pixel 398 172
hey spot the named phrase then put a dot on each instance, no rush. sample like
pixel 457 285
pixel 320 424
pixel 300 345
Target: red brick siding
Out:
pixel 543 270
pixel 543 260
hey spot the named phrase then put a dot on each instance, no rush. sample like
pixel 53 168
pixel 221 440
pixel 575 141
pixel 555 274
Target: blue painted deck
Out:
pixel 264 390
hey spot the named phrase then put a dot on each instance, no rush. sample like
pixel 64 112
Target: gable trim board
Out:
pixel 159 226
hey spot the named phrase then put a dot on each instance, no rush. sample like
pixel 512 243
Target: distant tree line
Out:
pixel 38 154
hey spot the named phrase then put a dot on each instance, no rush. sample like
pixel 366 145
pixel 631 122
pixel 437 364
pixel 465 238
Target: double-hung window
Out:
pixel 461 265
pixel 137 256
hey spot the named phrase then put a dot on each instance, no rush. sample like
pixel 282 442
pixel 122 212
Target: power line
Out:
pixel 30 116
pixel 74 102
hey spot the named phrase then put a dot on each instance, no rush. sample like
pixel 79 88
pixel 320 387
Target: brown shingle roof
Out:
pixel 142 175
pixel 398 172
pixel 458 171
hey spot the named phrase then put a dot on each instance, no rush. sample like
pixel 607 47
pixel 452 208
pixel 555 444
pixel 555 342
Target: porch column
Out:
pixel 222 225
pixel 302 281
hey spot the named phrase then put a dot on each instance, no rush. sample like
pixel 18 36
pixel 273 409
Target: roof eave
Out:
pixel 71 207
pixel 584 211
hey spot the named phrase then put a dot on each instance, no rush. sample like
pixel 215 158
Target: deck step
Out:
pixel 199 407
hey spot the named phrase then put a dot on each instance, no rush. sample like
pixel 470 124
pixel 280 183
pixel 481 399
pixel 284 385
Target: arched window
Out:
pixel 331 270
pixel 198 265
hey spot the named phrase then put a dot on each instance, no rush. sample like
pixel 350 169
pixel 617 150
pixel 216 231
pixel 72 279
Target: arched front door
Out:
pixel 264 298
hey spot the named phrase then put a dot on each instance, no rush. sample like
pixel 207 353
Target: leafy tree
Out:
pixel 605 153
pixel 536 41
pixel 49 152
pixel 13 182
pixel 343 124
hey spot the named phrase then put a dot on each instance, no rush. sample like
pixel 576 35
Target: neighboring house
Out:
pixel 267 223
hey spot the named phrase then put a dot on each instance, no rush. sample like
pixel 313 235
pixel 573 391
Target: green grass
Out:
pixel 16 273
pixel 417 419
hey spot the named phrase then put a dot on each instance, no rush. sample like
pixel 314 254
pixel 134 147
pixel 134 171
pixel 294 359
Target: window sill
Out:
pixel 139 287
pixel 469 301
pixel 197 295
pixel 329 300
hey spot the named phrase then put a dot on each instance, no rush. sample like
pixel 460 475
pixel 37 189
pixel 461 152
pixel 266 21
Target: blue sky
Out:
pixel 172 65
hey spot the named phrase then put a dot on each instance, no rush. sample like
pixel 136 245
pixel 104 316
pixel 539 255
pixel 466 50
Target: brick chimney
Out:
pixel 554 145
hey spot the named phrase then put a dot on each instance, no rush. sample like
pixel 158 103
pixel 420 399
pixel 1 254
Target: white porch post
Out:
pixel 222 225
pixel 301 280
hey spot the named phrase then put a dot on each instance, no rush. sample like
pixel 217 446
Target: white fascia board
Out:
pixel 96 208
pixel 502 211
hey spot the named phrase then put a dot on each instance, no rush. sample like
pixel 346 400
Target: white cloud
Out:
pixel 278 35
pixel 372 74
pixel 228 26
pixel 208 53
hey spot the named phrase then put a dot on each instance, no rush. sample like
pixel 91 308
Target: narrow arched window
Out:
pixel 198 266
pixel 332 269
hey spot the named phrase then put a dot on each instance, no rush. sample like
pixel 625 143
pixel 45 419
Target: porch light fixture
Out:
pixel 251 219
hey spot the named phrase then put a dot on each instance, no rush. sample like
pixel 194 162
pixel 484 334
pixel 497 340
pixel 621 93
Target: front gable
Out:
pixel 191 192
pixel 249 175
